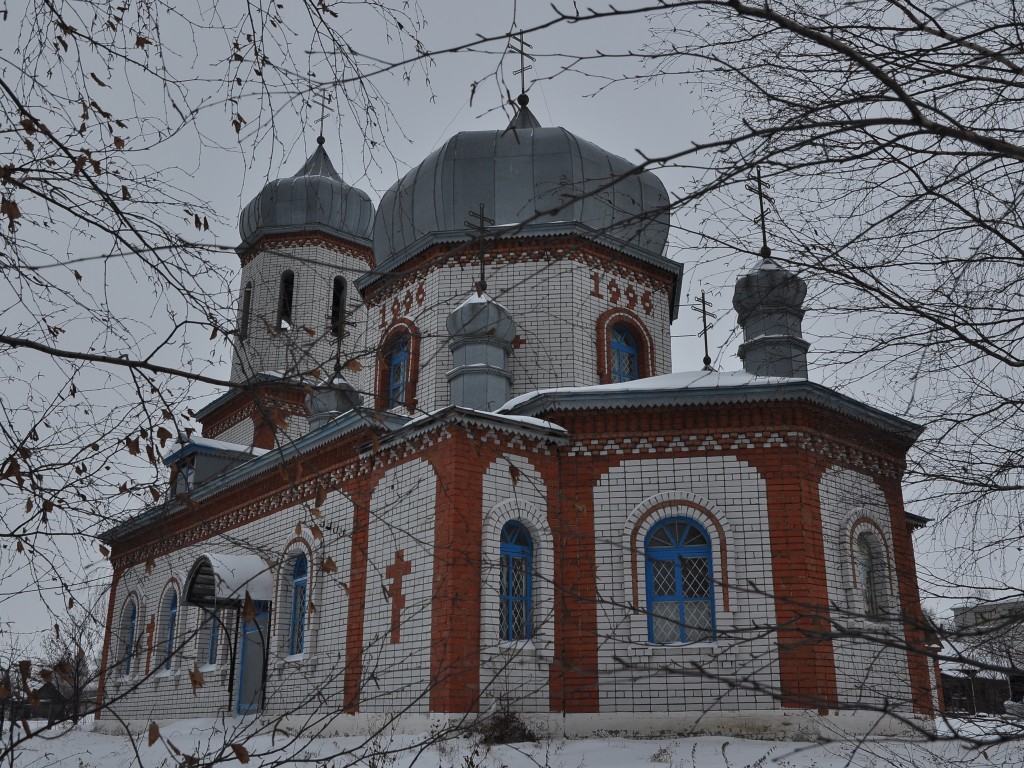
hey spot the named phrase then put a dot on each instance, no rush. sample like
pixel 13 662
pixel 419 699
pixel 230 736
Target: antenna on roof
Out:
pixel 523 99
pixel 701 305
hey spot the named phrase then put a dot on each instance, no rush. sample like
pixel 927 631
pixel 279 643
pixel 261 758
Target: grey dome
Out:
pixel 482 316
pixel 314 199
pixel 766 288
pixel 523 172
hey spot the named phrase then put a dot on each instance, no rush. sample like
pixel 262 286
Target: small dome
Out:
pixel 547 175
pixel 314 199
pixel 768 287
pixel 480 315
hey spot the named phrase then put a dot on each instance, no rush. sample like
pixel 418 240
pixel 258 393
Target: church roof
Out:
pixel 705 388
pixel 314 199
pixel 531 180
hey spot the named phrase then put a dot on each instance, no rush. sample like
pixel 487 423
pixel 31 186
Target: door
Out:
pixel 253 660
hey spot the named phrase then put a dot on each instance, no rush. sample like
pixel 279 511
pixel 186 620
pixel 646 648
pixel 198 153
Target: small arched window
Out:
pixel 285 301
pixel 243 319
pixel 397 370
pixel 170 622
pixel 515 612
pixel 129 624
pixel 209 636
pixel 680 593
pixel 869 575
pixel 625 355
pixel 299 600
pixel 338 307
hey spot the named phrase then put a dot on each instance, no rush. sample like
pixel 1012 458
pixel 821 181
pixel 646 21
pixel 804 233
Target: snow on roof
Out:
pixel 509 418
pixel 669 382
pixel 209 444
pixel 234 575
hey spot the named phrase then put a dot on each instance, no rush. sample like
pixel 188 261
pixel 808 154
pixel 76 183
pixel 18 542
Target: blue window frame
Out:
pixel 680 592
pixel 398 369
pixel 515 613
pixel 213 636
pixel 297 625
pixel 625 355
pixel 128 637
pixel 172 618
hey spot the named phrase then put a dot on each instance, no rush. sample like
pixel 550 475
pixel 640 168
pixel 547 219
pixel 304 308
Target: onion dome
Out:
pixel 313 200
pixel 481 333
pixel 482 316
pixel 769 303
pixel 333 397
pixel 548 177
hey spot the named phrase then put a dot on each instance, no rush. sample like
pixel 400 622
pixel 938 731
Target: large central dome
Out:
pixel 546 179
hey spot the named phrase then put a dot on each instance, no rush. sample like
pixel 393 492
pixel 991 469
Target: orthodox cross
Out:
pixel 761 197
pixel 480 226
pixel 701 305
pixel 523 56
pixel 322 101
pixel 401 567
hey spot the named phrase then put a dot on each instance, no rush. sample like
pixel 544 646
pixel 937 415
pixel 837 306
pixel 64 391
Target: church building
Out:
pixel 456 474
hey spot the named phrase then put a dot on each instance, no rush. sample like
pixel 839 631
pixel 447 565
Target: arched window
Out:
pixel 285 301
pixel 170 620
pixel 129 623
pixel 209 637
pixel 338 307
pixel 625 356
pixel 680 593
pixel 397 357
pixel 297 622
pixel 516 583
pixel 868 563
pixel 243 320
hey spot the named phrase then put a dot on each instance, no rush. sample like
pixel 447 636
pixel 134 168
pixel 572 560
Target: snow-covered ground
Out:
pixel 233 742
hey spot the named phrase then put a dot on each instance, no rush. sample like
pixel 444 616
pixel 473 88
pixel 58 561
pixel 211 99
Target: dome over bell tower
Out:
pixel 313 200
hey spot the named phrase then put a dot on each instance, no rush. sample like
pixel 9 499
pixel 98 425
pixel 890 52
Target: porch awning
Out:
pixel 224 579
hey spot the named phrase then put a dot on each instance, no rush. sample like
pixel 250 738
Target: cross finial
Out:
pixel 766 252
pixel 480 226
pixel 523 66
pixel 701 305
pixel 322 100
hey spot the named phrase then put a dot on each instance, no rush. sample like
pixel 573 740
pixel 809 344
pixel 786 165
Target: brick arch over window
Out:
pixel 401 330
pixel 294 626
pixel 865 530
pixel 620 316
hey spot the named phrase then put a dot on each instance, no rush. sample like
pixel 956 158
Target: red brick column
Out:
pixel 910 601
pixel 807 667
pixel 460 463
pixel 360 493
pixel 573 679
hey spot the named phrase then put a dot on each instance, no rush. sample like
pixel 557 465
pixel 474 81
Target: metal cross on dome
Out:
pixel 482 221
pixel 766 252
pixel 322 100
pixel 701 305
pixel 523 56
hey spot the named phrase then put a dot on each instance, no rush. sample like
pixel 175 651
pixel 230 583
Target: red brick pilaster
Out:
pixel 910 602
pixel 460 464
pixel 807 668
pixel 360 493
pixel 115 582
pixel 573 681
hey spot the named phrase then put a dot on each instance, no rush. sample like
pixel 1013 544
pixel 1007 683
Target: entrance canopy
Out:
pixel 217 580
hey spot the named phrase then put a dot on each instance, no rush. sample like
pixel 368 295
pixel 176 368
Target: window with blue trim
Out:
pixel 680 592
pixel 128 626
pixel 398 370
pixel 171 619
pixel 515 613
pixel 625 355
pixel 209 638
pixel 297 625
